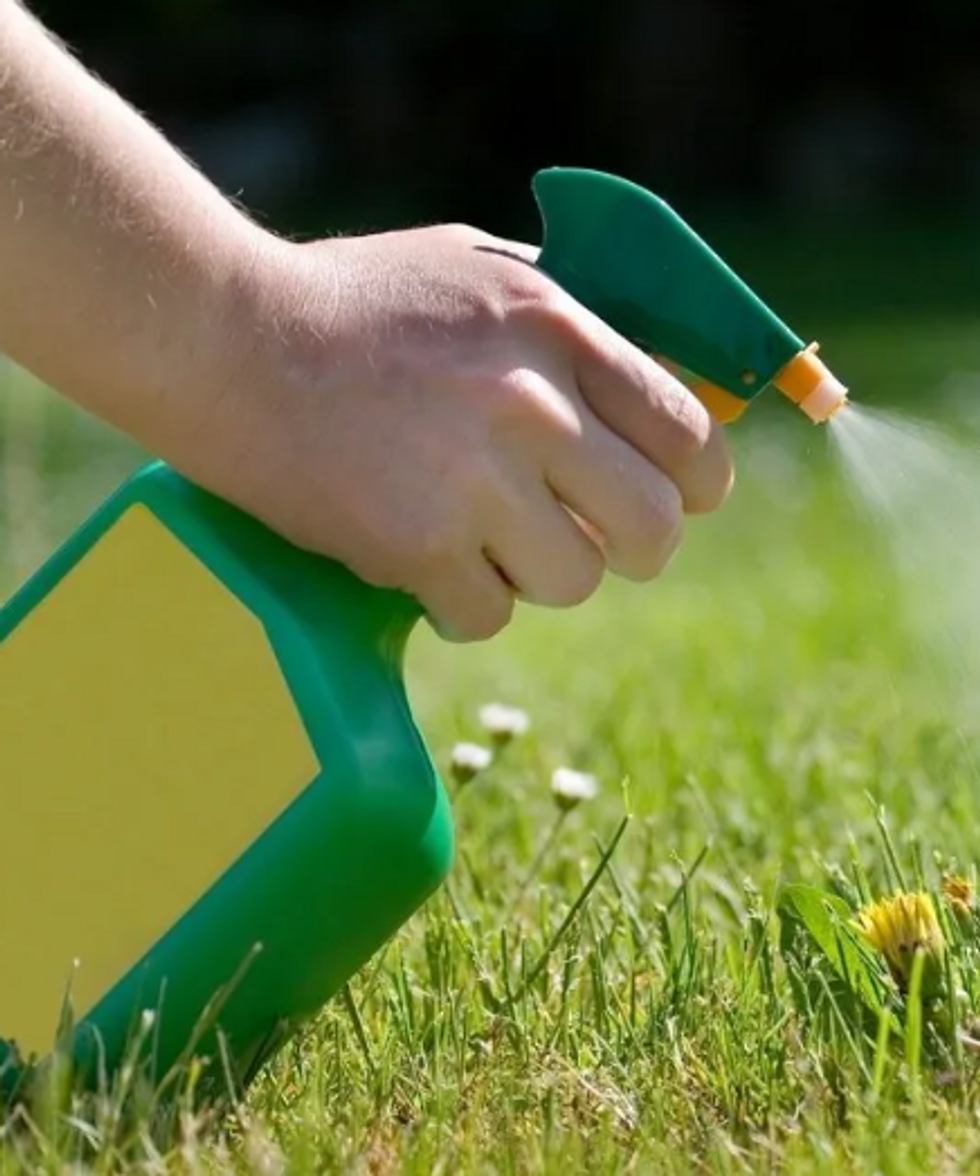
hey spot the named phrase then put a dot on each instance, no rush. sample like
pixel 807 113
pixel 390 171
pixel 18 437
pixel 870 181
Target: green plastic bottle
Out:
pixel 212 783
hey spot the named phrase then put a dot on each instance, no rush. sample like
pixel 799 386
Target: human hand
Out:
pixel 430 409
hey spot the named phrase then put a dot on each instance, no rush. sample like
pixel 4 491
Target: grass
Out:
pixel 764 715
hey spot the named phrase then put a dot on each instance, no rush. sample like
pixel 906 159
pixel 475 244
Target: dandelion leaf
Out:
pixel 815 931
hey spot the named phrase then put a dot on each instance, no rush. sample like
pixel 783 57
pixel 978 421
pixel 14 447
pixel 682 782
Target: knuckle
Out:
pixel 687 422
pixel 698 450
pixel 460 232
pixel 532 304
pixel 546 310
pixel 663 508
pixel 487 620
pixel 493 619
pixel 581 579
pixel 476 489
pixel 522 390
pixel 425 542
pixel 433 548
pixel 530 401
pixel 717 481
pixel 658 533
pixel 447 530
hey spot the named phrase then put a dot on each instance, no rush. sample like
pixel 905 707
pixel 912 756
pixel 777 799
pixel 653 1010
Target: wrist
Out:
pixel 189 348
pixel 257 355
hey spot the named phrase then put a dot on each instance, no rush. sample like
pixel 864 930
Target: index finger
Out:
pixel 646 405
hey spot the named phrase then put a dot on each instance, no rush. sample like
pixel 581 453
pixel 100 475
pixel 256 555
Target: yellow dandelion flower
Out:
pixel 958 892
pixel 899 927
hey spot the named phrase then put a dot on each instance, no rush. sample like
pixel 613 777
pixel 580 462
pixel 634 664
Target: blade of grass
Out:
pixel 575 908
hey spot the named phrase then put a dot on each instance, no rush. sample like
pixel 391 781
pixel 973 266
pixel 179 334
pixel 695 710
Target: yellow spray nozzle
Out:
pixel 805 380
pixel 811 385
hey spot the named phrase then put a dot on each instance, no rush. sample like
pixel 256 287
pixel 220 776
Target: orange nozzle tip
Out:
pixel 810 384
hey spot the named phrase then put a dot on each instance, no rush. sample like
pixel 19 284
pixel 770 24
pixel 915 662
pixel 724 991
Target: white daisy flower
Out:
pixel 503 723
pixel 570 788
pixel 468 760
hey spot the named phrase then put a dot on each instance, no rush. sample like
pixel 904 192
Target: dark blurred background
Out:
pixel 798 140
pixel 336 113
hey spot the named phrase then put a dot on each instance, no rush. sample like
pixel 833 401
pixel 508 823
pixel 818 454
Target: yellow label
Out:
pixel 147 737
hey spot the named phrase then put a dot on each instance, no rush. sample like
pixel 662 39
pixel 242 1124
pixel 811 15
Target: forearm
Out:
pixel 120 264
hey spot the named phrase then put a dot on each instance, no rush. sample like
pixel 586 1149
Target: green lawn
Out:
pixel 760 700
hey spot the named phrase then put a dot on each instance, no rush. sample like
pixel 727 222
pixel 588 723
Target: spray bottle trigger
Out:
pixel 720 403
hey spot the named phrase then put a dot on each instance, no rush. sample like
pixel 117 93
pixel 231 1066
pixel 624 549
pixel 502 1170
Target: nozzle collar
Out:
pixel 810 384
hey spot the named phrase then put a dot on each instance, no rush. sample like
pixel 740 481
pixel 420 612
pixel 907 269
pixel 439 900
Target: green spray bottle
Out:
pixel 216 803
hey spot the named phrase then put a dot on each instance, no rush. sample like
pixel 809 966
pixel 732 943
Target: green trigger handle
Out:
pixel 625 255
